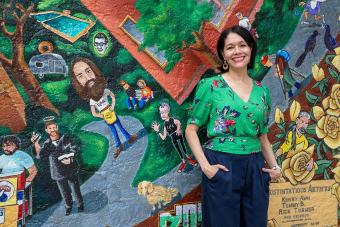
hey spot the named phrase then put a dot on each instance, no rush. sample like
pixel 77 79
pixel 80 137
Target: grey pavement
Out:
pixel 108 195
pixel 296 45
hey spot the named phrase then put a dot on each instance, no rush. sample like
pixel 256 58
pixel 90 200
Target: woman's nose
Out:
pixel 236 49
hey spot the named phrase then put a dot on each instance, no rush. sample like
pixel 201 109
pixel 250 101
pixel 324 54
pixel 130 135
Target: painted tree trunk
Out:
pixel 18 66
pixel 204 49
pixel 12 105
pixel 23 74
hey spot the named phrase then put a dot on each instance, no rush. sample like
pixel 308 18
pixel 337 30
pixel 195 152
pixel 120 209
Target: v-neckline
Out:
pixel 251 91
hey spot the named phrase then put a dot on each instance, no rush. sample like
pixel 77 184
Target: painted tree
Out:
pixel 17 65
pixel 174 26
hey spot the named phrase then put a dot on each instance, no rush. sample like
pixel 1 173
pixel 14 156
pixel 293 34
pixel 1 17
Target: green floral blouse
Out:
pixel 232 124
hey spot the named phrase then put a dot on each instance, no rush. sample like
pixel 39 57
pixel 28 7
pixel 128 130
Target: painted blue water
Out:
pixel 68 26
pixel 46 16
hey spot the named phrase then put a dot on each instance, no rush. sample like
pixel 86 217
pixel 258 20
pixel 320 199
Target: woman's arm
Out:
pixel 274 170
pixel 195 146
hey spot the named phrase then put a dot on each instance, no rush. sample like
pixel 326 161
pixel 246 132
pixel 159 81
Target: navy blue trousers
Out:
pixel 239 197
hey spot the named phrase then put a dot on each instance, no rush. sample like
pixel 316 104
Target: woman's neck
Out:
pixel 240 75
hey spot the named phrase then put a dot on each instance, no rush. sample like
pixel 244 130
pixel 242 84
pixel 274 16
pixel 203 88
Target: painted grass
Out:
pixel 160 156
pixel 93 147
pixel 93 150
pixel 56 91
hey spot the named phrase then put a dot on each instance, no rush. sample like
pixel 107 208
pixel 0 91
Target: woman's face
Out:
pixel 236 51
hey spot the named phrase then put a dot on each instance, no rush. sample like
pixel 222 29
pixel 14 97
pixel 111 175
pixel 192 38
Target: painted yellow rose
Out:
pixel 318 73
pixel 336 186
pixel 336 191
pixel 337 50
pixel 328 125
pixel 299 167
pixel 332 102
pixel 294 110
pixel 278 116
pixel 336 60
pixel 328 129
pixel 336 172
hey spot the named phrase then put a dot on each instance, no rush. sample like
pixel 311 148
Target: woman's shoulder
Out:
pixel 205 82
pixel 262 86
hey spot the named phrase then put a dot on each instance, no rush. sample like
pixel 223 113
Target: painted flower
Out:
pixel 278 116
pixel 328 125
pixel 336 172
pixel 332 102
pixel 336 186
pixel 294 110
pixel 318 73
pixel 296 165
pixel 328 129
pixel 258 83
pixel 229 122
pixel 234 113
pixel 215 83
pixel 336 60
pixel 337 51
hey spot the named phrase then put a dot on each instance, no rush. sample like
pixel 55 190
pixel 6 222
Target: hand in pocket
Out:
pixel 212 170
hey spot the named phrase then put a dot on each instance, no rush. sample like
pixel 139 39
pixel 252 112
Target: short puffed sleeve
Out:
pixel 267 102
pixel 199 111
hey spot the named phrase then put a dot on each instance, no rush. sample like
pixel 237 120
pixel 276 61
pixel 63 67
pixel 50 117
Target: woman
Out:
pixel 235 109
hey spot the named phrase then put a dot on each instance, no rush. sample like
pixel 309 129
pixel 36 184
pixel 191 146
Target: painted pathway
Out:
pixel 108 195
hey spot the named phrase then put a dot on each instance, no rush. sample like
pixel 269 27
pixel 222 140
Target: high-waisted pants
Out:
pixel 238 197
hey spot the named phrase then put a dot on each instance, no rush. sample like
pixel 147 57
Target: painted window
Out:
pixel 220 8
pixel 39 64
pixel 129 27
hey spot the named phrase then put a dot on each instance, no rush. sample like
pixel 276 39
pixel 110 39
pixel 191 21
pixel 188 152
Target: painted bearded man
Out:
pixel 90 85
pixel 62 153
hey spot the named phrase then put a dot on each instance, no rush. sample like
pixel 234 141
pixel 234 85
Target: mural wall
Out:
pixel 94 97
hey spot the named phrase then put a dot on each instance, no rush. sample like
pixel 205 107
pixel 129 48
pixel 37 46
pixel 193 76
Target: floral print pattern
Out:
pixel 232 124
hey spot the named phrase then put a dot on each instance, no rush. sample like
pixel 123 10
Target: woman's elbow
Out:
pixel 191 128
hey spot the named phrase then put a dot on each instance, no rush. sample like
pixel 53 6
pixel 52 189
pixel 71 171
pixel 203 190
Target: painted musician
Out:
pixel 90 85
pixel 62 154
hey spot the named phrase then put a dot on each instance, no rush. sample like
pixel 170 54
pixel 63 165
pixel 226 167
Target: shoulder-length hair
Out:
pixel 81 91
pixel 248 38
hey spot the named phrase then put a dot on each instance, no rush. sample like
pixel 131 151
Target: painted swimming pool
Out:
pixel 63 24
pixel 68 26
pixel 46 16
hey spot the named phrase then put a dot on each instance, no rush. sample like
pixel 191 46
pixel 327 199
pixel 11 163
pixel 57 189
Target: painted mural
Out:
pixel 94 97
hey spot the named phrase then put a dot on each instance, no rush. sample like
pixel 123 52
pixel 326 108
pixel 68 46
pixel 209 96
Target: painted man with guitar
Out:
pixel 90 85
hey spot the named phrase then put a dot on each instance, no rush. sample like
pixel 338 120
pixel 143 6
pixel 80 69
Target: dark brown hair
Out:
pixel 81 91
pixel 10 139
pixel 248 38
